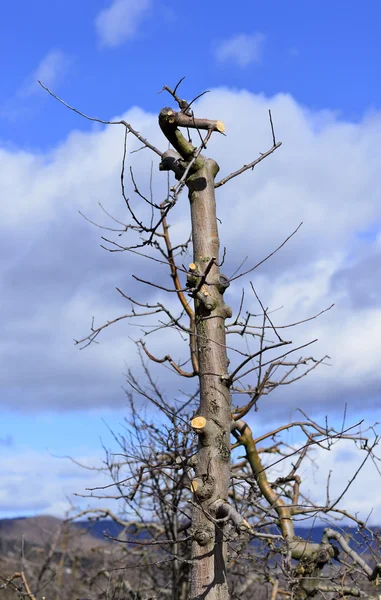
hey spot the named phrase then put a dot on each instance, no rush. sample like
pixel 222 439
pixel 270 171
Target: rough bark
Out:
pixel 212 468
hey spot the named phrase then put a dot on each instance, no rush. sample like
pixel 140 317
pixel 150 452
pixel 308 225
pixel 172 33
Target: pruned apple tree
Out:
pixel 219 520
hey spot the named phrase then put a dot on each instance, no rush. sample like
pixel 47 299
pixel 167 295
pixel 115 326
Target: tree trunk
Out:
pixel 208 578
pixel 212 423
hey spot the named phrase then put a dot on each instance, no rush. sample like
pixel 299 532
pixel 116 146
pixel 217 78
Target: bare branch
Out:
pixel 121 122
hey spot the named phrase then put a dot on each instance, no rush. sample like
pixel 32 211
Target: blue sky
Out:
pixel 315 64
pixel 326 54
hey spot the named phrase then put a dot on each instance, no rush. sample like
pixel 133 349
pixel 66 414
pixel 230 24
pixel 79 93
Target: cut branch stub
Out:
pixel 205 429
pixel 193 276
pixel 222 283
pixel 223 509
pixel 181 119
pixel 202 488
pixel 198 423
pixel 171 161
pixel 208 302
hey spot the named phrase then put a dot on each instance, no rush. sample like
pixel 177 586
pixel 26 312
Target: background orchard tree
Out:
pixel 213 498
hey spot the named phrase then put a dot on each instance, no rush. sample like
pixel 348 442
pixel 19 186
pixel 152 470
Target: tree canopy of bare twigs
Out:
pixel 202 515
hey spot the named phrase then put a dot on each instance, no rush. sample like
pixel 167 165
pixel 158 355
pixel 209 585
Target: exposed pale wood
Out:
pixel 194 486
pixel 198 422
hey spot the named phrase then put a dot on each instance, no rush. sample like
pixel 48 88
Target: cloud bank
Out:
pixel 39 483
pixel 55 277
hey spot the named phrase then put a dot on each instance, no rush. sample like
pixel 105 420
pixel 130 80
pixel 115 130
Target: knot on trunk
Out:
pixel 203 535
pixel 222 283
pixel 203 487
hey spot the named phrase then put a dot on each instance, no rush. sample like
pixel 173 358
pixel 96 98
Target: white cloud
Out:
pixel 51 70
pixel 55 277
pixel 38 483
pixel 121 21
pixel 51 482
pixel 338 465
pixel 241 49
pixel 343 460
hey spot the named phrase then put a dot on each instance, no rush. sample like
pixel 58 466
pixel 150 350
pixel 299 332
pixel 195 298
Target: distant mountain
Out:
pixel 105 528
pixel 102 529
pixel 39 531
